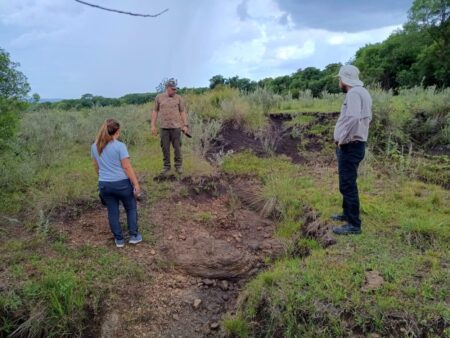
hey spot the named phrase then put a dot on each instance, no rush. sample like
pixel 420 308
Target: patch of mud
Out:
pixel 203 188
pixel 291 140
pixel 443 150
pixel 73 211
pixel 234 138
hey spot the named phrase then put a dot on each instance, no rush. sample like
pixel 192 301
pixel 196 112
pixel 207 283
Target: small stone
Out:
pixel 182 237
pixel 259 228
pixel 225 297
pixel 266 246
pixel 223 285
pixel 208 282
pixel 180 279
pixel 253 245
pixel 152 252
pixel 176 317
pixel 374 281
pixel 170 237
pixel 197 303
pixel 214 326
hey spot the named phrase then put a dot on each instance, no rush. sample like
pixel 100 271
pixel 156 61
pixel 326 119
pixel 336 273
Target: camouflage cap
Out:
pixel 171 83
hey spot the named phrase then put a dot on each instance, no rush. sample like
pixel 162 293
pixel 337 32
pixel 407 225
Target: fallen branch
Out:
pixel 122 12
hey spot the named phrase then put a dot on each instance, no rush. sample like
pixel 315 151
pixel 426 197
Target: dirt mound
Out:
pixel 293 140
pixel 205 256
pixel 234 138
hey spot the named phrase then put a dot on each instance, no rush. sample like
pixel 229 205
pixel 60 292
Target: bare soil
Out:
pixel 277 138
pixel 208 240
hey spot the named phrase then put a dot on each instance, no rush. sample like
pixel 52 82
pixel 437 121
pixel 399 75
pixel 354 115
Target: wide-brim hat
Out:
pixel 349 75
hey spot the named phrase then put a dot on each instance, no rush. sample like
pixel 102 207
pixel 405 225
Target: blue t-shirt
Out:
pixel 109 162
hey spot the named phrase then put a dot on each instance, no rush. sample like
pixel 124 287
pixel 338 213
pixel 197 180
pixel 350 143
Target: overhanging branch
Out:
pixel 122 12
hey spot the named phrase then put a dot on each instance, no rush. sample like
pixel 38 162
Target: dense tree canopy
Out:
pixel 13 84
pixel 13 91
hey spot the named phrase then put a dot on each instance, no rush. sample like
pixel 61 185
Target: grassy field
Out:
pixel 49 289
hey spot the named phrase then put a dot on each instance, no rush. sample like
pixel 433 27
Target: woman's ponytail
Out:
pixel 105 134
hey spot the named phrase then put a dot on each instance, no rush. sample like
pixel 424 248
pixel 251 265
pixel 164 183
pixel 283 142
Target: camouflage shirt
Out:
pixel 169 110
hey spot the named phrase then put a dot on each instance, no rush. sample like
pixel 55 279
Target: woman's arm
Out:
pixel 126 165
pixel 94 161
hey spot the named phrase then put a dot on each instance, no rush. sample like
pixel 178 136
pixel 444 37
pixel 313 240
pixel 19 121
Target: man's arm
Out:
pixel 183 114
pixel 351 117
pixel 184 118
pixel 154 118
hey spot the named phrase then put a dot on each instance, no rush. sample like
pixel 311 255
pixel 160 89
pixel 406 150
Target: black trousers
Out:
pixel 349 156
pixel 172 137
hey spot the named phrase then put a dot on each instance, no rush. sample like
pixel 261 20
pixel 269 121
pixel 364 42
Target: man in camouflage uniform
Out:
pixel 170 109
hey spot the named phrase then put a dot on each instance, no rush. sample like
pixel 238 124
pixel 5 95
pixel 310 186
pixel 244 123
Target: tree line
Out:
pixel 416 55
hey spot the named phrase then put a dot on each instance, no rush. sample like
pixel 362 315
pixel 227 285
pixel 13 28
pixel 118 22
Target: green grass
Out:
pixel 51 289
pixel 48 288
pixel 56 286
pixel 406 238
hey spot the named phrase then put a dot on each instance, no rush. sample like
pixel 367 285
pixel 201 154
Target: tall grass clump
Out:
pixel 202 131
pixel 265 99
pixel 48 161
pixel 416 116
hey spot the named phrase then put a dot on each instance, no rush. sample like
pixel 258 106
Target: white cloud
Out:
pixel 359 38
pixel 38 13
pixel 296 52
pixel 67 49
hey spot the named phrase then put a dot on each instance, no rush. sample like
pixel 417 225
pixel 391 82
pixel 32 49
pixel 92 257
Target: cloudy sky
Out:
pixel 67 49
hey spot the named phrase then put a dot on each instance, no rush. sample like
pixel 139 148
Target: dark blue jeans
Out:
pixel 113 193
pixel 349 156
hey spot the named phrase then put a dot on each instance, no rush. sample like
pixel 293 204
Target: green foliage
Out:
pixel 13 91
pixel 236 327
pixel 405 236
pixel 13 84
pixel 416 55
pixel 56 293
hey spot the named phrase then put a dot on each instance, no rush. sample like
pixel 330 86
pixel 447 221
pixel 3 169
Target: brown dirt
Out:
pixel 277 138
pixel 206 246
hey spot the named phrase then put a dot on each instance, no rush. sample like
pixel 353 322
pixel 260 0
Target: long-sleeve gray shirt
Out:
pixel 355 117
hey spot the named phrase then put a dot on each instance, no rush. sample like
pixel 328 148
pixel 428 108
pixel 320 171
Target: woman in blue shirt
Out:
pixel 116 180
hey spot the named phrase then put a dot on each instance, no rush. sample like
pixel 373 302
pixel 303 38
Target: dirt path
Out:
pixel 207 244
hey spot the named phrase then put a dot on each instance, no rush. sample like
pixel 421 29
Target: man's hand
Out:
pixel 185 130
pixel 154 131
